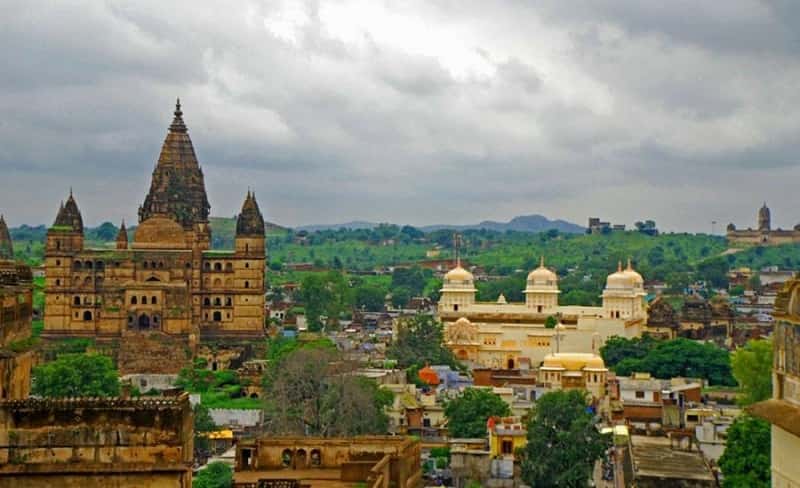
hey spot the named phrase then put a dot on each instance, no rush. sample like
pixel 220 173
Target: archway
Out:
pixel 144 321
pixel 510 363
pixel 87 316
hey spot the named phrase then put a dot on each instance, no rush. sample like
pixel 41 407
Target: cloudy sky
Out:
pixel 409 111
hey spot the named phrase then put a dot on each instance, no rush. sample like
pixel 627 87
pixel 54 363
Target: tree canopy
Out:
pixel 746 460
pixel 312 391
pixel 325 294
pixel 420 341
pixel 73 375
pixel 563 441
pixel 467 414
pixel 752 368
pixel 215 475
pixel 669 359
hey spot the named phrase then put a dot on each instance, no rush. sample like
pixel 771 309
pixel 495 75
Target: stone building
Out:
pixel 167 279
pixel 783 409
pixel 764 235
pixel 662 319
pixel 16 309
pixel 504 335
pixel 294 462
pixel 96 442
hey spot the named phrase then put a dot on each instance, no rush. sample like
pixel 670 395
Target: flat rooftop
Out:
pixel 315 478
pixel 653 458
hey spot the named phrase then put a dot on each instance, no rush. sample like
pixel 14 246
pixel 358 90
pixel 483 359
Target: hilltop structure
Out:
pixel 167 280
pixel 764 235
pixel 508 335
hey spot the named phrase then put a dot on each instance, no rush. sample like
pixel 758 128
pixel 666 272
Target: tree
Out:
pixel 618 348
pixel 325 294
pixel 563 441
pixel 752 368
pixel 419 341
pixel 550 322
pixel 313 391
pixel 203 424
pixel 73 375
pixel 401 296
pixel 467 414
pixel 215 475
pixel 370 298
pixel 746 460
pixel 413 279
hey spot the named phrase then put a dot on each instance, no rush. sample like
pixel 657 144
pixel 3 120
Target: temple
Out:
pixel 764 235
pixel 166 279
pixel 510 335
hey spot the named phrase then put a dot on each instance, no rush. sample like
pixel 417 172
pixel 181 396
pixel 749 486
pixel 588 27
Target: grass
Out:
pixel 221 399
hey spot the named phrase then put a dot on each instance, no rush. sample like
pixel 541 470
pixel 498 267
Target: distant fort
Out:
pixel 763 235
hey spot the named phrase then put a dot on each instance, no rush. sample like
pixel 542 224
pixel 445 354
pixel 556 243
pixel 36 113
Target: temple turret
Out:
pixel 69 216
pixel 122 237
pixel 764 219
pixel 250 227
pixel 66 234
pixel 177 190
pixel 6 246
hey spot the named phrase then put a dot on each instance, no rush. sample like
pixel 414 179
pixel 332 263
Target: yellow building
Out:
pixel 571 371
pixel 783 410
pixel 168 279
pixel 506 435
pixel 503 335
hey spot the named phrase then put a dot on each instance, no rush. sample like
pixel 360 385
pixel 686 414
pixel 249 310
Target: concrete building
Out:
pixel 503 335
pixel 763 235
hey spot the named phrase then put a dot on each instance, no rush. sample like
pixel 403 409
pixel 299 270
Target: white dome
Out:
pixel 624 279
pixel 542 279
pixel 458 275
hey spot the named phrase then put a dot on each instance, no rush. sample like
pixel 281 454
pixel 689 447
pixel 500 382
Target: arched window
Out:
pixel 76 265
pixel 228 267
pixel 58 282
pixel 218 282
pixel 58 262
pixel 228 301
pixel 217 267
pixel 161 264
pixel 144 300
pixel 88 265
pixel 217 302
pixel 76 300
pixel 247 284
pixel 133 301
pixel 207 302
pixel 217 316
pixel 154 300
pixel 207 266
pixel 87 316
pixel 247 265
pixel 145 265
pixel 100 265
pixel 58 244
pixel 246 248
pixel 87 281
pixel 188 265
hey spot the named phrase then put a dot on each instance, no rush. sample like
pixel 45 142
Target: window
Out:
pixel 207 266
pixel 217 267
pixel 58 262
pixel 58 244
pixel 76 265
pixel 144 300
pixel 88 265
pixel 426 422
pixel 133 301
pixel 217 302
pixel 58 282
pixel 247 284
pixel 455 307
pixel 207 302
pixel 639 394
pixel 161 264
pixel 228 301
pixel 217 316
pixel 247 265
pixel 145 265
pixel 87 316
pixel 154 300
pixel 507 447
pixel 76 301
pixel 228 267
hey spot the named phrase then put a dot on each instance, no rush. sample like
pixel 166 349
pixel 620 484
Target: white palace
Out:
pixel 513 335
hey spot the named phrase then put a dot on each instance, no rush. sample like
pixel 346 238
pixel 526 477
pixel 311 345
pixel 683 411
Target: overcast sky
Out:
pixel 414 112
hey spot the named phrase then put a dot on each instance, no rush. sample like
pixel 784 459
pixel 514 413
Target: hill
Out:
pixel 523 223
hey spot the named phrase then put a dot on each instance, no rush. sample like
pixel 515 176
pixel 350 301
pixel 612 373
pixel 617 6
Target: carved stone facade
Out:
pixel 372 461
pixel 167 280
pixel 16 309
pixel 96 442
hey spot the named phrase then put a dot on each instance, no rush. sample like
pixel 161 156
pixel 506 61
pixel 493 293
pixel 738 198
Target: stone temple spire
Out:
pixel 6 246
pixel 69 215
pixel 177 190
pixel 250 221
pixel 122 237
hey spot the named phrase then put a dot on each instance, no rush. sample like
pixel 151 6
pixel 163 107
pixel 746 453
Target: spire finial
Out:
pixel 541 261
pixel 177 122
pixel 619 266
pixel 629 264
pixel 456 242
pixel 70 191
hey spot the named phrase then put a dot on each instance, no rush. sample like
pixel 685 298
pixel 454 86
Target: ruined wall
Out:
pixel 96 442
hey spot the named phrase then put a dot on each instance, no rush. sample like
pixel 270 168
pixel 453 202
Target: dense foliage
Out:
pixel 669 359
pixel 215 475
pixel 73 375
pixel 203 424
pixel 746 460
pixel 467 414
pixel 310 390
pixel 420 341
pixel 563 441
pixel 752 368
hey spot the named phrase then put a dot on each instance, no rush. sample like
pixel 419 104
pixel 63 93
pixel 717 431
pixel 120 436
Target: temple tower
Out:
pixel 764 223
pixel 6 246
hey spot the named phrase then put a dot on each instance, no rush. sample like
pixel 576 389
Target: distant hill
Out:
pixel 523 223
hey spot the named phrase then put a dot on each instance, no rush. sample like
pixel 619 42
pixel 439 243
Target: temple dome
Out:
pixel 573 361
pixel 159 233
pixel 624 279
pixel 542 277
pixel 458 275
